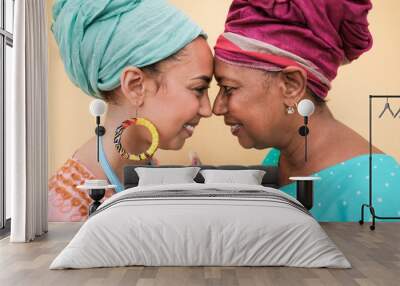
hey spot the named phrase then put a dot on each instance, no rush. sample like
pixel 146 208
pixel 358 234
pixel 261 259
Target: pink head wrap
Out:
pixel 317 36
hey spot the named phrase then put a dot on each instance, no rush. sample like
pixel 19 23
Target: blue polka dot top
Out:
pixel 344 187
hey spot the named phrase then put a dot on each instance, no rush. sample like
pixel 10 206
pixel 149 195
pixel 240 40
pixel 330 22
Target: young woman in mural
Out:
pixel 274 54
pixel 147 60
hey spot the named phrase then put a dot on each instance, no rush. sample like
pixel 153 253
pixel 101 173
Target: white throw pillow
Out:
pixel 247 177
pixel 162 176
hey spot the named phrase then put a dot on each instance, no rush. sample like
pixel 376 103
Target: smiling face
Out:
pixel 250 101
pixel 180 99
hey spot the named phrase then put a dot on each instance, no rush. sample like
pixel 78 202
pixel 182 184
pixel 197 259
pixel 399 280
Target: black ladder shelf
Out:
pixel 370 205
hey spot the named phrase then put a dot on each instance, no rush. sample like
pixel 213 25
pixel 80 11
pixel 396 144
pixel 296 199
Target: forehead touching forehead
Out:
pixel 224 71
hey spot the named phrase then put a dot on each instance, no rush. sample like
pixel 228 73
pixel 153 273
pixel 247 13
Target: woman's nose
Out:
pixel 205 107
pixel 220 105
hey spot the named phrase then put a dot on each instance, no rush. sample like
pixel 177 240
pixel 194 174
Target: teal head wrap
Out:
pixel 99 38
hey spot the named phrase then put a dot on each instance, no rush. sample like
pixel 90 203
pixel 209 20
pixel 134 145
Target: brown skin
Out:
pixel 258 101
pixel 170 98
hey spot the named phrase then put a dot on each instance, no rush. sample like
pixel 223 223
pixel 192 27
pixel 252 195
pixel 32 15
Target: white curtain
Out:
pixel 26 123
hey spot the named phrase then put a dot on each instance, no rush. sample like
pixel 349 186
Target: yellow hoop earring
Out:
pixel 154 139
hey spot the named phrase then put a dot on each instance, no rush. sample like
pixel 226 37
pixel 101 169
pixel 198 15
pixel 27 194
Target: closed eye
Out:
pixel 200 91
pixel 226 90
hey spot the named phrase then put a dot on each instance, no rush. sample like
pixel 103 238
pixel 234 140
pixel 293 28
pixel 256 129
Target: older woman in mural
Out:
pixel 273 54
pixel 147 60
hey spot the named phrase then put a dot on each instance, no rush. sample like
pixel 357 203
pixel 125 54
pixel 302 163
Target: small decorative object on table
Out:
pixel 304 190
pixel 97 190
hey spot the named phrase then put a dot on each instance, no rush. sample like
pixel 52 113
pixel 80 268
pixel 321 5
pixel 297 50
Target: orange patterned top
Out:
pixel 67 202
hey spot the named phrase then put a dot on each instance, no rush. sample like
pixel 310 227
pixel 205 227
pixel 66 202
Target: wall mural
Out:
pixel 274 63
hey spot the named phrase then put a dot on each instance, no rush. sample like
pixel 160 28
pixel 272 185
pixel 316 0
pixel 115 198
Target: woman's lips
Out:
pixel 235 129
pixel 189 129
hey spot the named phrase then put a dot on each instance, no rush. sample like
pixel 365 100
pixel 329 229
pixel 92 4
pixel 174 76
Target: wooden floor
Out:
pixel 375 257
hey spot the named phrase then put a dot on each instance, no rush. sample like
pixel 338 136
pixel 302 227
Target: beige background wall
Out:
pixel 376 72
